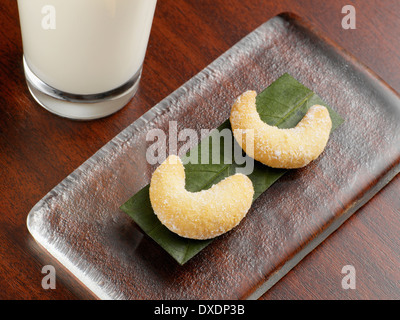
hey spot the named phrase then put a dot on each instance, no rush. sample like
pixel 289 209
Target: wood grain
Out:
pixel 39 149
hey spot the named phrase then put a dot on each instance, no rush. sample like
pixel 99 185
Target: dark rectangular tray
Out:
pixel 79 221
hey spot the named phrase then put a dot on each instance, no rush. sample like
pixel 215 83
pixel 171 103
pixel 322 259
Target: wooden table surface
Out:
pixel 39 149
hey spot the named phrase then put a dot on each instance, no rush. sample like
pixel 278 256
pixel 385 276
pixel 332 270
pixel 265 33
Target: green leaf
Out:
pixel 284 103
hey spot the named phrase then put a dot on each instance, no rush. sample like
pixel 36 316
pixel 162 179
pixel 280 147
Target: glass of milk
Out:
pixel 83 58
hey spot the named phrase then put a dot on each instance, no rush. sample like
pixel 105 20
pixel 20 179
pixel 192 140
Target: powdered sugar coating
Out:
pixel 198 215
pixel 280 148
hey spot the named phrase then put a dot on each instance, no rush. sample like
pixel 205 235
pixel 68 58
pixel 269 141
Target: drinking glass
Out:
pixel 83 58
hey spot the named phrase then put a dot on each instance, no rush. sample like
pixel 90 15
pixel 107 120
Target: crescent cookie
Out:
pixel 198 215
pixel 280 148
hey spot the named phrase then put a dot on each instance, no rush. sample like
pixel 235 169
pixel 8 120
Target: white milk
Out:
pixel 85 46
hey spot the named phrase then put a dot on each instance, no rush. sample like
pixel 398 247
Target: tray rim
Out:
pixel 162 107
